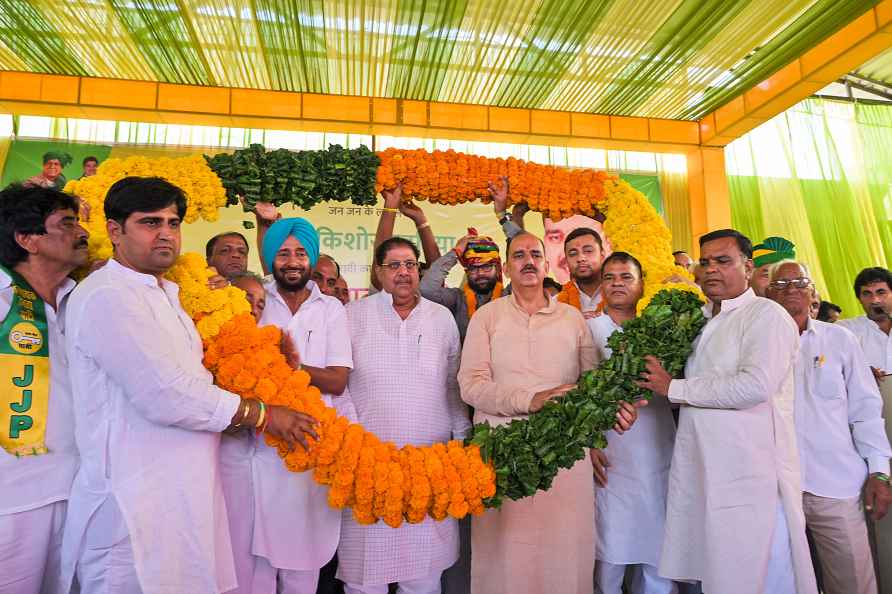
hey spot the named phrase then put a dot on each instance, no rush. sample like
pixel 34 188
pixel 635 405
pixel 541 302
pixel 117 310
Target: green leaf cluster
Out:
pixel 528 453
pixel 301 178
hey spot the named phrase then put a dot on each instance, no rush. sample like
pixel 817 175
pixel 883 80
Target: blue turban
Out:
pixel 301 229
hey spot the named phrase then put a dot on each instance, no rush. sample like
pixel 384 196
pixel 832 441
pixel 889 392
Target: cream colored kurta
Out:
pixel 543 543
pixel 735 453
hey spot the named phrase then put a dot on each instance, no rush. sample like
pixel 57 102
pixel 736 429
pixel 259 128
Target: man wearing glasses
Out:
pixel 403 384
pixel 843 446
pixel 480 258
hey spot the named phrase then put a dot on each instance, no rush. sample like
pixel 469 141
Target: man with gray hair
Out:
pixel 843 447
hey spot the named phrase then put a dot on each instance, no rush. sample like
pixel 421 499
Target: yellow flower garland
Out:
pixel 205 194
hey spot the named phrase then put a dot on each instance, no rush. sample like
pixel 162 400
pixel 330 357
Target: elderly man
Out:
pixel 843 446
pixel 227 253
pixel 770 251
pixel 584 251
pixel 520 352
pixel 41 244
pixel 252 285
pixel 683 259
pixel 405 357
pixel 342 291
pixel 146 511
pixel 734 513
pixel 283 530
pixel 51 175
pixel 633 471
pixel 326 273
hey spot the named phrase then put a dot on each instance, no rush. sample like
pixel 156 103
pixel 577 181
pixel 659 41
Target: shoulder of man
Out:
pixel 836 333
pixel 437 310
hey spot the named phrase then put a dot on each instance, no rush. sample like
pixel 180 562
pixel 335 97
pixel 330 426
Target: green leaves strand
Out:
pixel 301 178
pixel 527 454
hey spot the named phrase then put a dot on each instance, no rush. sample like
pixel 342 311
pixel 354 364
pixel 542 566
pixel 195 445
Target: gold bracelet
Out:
pixel 393 210
pixel 262 415
pixel 423 225
pixel 244 414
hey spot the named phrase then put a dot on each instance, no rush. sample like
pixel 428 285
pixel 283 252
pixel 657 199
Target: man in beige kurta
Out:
pixel 519 352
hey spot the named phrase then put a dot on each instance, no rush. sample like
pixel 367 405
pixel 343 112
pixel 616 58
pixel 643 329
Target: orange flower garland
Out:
pixel 376 479
pixel 471 298
pixel 448 177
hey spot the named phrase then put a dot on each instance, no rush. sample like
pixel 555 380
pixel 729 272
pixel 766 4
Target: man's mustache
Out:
pixel 528 268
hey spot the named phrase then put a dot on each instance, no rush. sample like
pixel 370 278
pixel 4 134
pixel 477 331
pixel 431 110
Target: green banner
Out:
pixel 649 185
pixel 25 158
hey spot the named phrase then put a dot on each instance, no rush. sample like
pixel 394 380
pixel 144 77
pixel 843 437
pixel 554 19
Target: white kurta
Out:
pixel 632 507
pixel 293 526
pixel 147 422
pixel 30 482
pixel 33 489
pixel 839 414
pixel 735 453
pixel 404 388
pixel 876 344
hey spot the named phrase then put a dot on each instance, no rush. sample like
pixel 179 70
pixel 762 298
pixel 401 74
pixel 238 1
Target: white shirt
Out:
pixel 294 527
pixel 30 482
pixel 876 344
pixel 839 413
pixel 587 303
pixel 632 507
pixel 148 421
pixel 405 391
pixel 735 452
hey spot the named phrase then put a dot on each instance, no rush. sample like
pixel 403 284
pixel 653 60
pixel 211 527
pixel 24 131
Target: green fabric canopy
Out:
pixel 673 59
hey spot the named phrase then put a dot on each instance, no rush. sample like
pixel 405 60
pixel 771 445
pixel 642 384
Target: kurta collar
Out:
pixel 64 289
pixel 272 288
pixel 387 302
pixel 741 300
pixel 149 280
pixel 550 306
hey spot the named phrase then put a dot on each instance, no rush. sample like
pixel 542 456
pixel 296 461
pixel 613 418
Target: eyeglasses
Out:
pixel 396 265
pixel 488 267
pixel 796 283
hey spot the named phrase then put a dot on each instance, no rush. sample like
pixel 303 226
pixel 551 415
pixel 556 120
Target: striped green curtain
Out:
pixel 819 175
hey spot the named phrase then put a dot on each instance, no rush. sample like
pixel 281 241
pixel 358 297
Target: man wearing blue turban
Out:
pixel 282 528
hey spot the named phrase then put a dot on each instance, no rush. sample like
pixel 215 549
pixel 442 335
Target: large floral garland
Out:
pixel 376 479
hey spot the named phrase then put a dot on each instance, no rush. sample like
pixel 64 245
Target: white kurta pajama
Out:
pixel 147 426
pixel 283 517
pixel 735 462
pixel 631 509
pixel 34 489
pixel 404 388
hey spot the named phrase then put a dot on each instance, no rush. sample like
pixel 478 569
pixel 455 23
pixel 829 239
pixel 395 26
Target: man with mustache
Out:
pixel 843 448
pixel 734 517
pixel 228 254
pixel 405 354
pixel 631 500
pixel 41 243
pixel 584 251
pixel 146 511
pixel 520 352
pixel 873 287
pixel 283 530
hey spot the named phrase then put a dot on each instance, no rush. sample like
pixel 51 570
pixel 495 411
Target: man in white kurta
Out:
pixel 35 485
pixel 405 358
pixel 842 439
pixel 734 516
pixel 146 513
pixel 283 530
pixel 873 287
pixel 631 505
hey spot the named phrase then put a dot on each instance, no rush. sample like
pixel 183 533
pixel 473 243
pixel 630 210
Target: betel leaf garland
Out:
pixel 301 178
pixel 527 454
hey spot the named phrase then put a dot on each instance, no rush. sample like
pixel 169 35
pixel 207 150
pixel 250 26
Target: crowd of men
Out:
pixel 126 470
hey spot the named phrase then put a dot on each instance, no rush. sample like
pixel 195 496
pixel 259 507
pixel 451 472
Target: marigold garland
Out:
pixel 204 191
pixel 471 297
pixel 376 479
